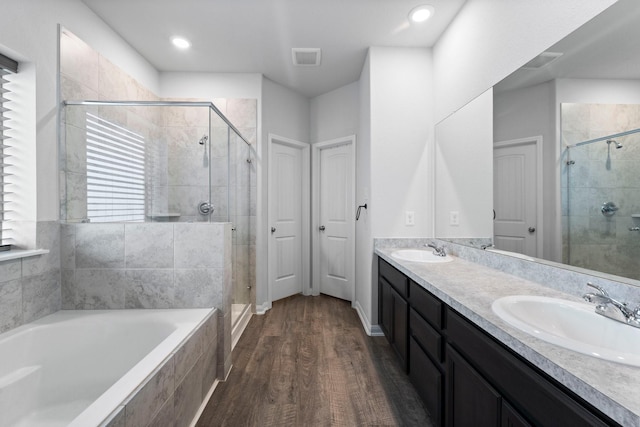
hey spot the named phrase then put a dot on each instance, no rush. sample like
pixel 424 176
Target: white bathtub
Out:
pixel 78 367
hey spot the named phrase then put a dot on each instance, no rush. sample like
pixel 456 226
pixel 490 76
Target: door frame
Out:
pixel 315 210
pixel 306 213
pixel 537 141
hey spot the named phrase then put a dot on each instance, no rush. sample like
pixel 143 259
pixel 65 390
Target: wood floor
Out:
pixel 307 362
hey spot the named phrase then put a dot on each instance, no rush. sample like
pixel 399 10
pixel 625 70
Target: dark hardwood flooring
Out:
pixel 308 362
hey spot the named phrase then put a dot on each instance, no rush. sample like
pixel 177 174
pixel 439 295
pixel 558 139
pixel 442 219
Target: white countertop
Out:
pixel 471 288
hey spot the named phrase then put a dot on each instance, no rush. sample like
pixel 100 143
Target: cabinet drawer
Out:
pixel 541 401
pixel 426 304
pixel 394 277
pixel 426 336
pixel 428 381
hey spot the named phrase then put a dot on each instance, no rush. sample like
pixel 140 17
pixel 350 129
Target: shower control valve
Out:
pixel 205 208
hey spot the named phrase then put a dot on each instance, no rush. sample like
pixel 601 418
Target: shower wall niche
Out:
pixel 601 187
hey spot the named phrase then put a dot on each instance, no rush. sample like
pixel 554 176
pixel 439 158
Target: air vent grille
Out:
pixel 306 57
pixel 542 60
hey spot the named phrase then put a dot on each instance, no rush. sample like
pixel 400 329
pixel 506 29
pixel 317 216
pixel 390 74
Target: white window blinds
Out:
pixel 115 172
pixel 7 67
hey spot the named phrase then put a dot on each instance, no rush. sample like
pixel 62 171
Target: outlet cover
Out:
pixel 410 218
pixel 454 218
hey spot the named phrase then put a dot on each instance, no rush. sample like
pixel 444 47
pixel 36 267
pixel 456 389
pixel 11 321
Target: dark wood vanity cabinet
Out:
pixel 464 376
pixel 393 309
pixel 426 350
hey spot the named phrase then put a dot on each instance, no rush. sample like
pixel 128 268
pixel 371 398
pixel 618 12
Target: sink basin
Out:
pixel 571 325
pixel 419 255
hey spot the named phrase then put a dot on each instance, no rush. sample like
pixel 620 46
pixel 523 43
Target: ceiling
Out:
pixel 256 36
pixel 604 48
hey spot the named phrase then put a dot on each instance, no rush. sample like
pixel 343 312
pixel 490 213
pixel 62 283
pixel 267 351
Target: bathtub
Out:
pixel 91 368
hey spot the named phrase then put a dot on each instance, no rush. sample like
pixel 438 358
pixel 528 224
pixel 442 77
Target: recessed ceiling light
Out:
pixel 181 43
pixel 421 13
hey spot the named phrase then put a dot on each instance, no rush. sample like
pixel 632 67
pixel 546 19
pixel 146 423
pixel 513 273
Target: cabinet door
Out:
pixel 511 417
pixel 386 309
pixel 471 400
pixel 400 327
pixel 427 380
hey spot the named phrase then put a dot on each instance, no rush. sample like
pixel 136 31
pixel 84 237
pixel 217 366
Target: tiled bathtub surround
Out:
pixel 30 287
pixel 570 280
pixel 150 265
pixel 173 394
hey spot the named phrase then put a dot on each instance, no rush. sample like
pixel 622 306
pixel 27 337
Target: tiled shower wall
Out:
pixel 30 287
pixel 173 134
pixel 601 173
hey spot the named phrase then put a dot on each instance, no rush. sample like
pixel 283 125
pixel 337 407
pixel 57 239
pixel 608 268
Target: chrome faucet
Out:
pixel 437 250
pixel 611 308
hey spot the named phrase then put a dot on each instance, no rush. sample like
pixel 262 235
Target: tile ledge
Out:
pixel 21 253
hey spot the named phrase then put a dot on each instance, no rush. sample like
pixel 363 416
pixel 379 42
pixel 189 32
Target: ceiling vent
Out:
pixel 542 60
pixel 306 57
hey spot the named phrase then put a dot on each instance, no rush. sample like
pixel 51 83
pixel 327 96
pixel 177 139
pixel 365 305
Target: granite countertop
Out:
pixel 471 288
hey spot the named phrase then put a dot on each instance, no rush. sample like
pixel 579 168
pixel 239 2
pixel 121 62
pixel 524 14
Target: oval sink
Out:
pixel 419 255
pixel 571 325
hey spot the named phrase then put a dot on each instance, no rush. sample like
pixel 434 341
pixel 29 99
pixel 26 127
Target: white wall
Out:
pixel 394 144
pixel 597 91
pixel 366 302
pixel 30 34
pixel 335 114
pixel 284 113
pixel 401 140
pixel 464 170
pixel 489 39
pixel 210 85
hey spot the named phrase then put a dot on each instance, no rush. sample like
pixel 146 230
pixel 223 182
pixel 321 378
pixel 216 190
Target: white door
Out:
pixel 515 193
pixel 288 195
pixel 334 243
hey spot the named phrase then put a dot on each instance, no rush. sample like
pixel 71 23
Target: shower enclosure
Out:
pixel 601 187
pixel 159 162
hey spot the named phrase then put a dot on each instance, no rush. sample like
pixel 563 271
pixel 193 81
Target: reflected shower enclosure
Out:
pixel 601 187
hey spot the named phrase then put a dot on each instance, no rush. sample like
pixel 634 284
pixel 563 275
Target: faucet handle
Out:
pixel 601 290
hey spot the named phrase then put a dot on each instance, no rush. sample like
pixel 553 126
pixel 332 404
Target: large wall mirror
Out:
pixel 566 151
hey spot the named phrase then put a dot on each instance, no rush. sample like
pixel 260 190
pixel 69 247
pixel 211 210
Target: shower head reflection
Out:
pixel 618 145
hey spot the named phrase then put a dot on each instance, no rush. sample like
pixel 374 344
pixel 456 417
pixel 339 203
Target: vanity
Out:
pixel 470 367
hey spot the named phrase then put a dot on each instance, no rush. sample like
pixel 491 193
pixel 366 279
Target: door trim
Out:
pixel 315 210
pixel 306 214
pixel 537 141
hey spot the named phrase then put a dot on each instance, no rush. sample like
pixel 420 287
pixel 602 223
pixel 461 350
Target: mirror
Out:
pixel 595 67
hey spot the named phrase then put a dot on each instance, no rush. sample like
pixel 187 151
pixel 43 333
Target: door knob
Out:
pixel 321 228
pixel 532 229
pixel 273 229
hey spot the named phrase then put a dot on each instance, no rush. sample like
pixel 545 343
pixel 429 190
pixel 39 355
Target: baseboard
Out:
pixel 371 330
pixel 263 308
pixel 240 326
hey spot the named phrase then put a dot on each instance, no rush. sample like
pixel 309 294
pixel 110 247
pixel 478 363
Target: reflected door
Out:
pixel 515 196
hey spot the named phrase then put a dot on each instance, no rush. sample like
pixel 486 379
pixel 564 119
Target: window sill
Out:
pixel 21 253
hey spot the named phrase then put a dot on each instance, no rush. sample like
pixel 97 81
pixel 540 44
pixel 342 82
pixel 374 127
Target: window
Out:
pixel 115 172
pixel 7 67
